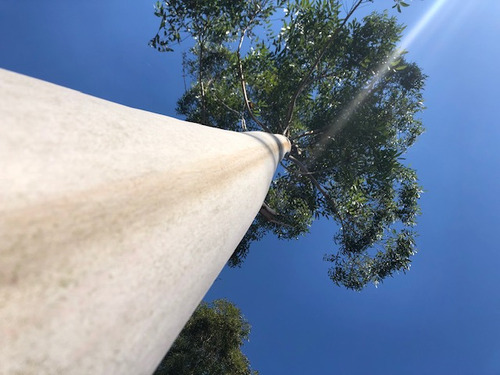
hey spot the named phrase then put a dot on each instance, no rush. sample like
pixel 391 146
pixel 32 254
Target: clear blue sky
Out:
pixel 443 317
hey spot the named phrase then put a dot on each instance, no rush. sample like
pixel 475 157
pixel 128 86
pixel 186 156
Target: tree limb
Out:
pixel 243 86
pixel 204 117
pixel 270 215
pixel 305 79
pixel 306 134
pixel 225 105
pixel 329 199
pixel 318 186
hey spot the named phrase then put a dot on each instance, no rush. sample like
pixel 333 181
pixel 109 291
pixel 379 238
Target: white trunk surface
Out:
pixel 114 222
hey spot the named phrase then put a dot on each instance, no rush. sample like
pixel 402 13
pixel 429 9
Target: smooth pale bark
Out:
pixel 114 222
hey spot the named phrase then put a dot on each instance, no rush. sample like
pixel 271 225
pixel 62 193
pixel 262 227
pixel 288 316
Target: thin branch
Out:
pixel 184 70
pixel 303 173
pixel 243 86
pixel 318 186
pixel 325 194
pixel 305 79
pixel 271 215
pixel 240 114
pixel 306 134
pixel 225 105
pixel 204 117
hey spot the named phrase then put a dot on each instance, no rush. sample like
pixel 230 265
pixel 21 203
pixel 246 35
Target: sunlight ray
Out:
pixel 360 98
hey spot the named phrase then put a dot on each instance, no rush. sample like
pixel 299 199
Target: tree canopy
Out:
pixel 342 92
pixel 210 343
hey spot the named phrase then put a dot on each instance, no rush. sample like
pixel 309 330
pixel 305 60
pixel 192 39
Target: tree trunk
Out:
pixel 114 222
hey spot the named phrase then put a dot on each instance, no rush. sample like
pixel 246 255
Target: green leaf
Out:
pixel 349 126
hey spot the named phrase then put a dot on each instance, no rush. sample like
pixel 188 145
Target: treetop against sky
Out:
pixel 341 89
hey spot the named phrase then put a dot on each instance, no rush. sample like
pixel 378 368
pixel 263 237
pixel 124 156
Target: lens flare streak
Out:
pixel 360 98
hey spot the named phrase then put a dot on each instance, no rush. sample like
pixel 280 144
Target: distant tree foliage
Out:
pixel 210 343
pixel 344 95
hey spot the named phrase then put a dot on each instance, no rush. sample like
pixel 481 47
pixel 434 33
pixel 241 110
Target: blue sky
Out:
pixel 443 317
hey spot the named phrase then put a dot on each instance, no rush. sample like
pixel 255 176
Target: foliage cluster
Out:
pixel 344 95
pixel 210 343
